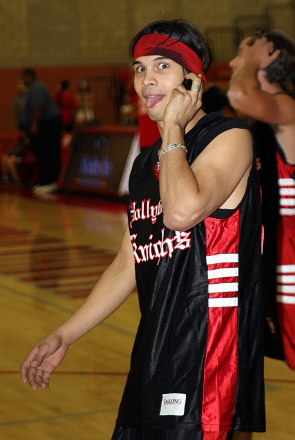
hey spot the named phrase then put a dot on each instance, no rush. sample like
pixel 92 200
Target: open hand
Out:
pixel 42 361
pixel 262 52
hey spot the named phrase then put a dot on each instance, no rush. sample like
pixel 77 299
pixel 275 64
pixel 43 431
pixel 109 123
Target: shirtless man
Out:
pixel 260 71
pixel 191 195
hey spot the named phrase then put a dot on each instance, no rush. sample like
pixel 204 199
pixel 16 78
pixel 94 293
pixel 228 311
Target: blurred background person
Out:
pixel 10 160
pixel 67 103
pixel 261 70
pixel 85 112
pixel 42 121
pixel 19 103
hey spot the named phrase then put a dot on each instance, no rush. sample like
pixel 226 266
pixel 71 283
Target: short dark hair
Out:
pixel 30 72
pixel 283 67
pixel 65 84
pixel 180 30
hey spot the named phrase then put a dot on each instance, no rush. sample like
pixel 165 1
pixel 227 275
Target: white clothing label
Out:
pixel 173 404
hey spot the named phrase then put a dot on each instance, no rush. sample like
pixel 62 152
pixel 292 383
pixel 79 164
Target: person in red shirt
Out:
pixel 67 103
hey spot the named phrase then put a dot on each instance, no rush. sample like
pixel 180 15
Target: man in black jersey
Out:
pixel 192 238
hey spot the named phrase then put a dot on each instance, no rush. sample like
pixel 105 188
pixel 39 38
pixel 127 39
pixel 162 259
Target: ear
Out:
pixel 261 75
pixel 185 73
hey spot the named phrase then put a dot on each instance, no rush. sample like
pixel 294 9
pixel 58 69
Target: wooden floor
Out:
pixel 51 253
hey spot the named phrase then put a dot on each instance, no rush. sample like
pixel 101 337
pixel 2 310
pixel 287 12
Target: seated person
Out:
pixel 10 160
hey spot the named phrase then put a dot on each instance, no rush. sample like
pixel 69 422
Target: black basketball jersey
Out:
pixel 197 360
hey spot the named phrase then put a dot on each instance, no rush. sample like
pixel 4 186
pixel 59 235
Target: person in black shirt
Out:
pixel 42 122
pixel 192 246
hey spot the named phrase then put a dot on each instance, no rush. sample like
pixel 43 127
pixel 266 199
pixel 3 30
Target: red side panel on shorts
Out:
pixel 286 289
pixel 220 373
pixel 286 259
pixel 215 435
pixel 286 185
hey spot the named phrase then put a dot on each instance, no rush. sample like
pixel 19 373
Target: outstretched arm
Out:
pixel 110 292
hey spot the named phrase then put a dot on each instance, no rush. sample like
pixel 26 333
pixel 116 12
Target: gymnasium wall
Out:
pixel 73 32
pixel 77 38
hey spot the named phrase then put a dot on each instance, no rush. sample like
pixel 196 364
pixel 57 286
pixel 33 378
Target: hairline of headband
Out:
pixel 158 44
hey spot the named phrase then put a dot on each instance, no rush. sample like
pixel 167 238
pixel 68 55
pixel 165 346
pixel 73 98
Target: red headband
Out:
pixel 158 44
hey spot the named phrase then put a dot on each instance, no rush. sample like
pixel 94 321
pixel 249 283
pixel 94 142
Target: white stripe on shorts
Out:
pixel 223 302
pixel 223 287
pixel 286 289
pixel 286 299
pixel 222 258
pixel 286 279
pixel 287 191
pixel 287 211
pixel 286 268
pixel 286 182
pixel 223 273
pixel 287 202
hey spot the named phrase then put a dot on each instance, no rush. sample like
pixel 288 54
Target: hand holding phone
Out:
pixel 187 83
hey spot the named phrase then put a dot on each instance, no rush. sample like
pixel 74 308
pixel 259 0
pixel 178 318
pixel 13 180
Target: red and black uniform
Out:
pixel 197 361
pixel 278 205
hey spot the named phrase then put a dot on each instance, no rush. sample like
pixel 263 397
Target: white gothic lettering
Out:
pixel 146 211
pixel 161 248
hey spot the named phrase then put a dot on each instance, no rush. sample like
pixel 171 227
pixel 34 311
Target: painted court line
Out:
pixel 116 373
pixel 64 309
pixel 280 381
pixel 79 373
pixel 64 416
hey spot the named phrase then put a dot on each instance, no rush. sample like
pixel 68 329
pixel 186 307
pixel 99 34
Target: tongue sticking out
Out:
pixel 153 100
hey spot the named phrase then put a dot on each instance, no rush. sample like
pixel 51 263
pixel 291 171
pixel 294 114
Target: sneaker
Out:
pixel 46 189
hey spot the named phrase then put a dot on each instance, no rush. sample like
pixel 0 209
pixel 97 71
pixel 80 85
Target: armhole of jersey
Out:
pixel 228 124
pixel 221 214
pixel 225 213
pixel 281 152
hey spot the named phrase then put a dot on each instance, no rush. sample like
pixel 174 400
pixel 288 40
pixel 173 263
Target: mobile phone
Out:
pixel 187 83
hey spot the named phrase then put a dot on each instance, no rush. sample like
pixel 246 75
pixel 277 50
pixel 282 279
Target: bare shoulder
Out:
pixel 234 134
pixel 272 108
pixel 235 139
pixel 278 109
pixel 222 169
pixel 234 146
pixel 284 99
pixel 286 106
